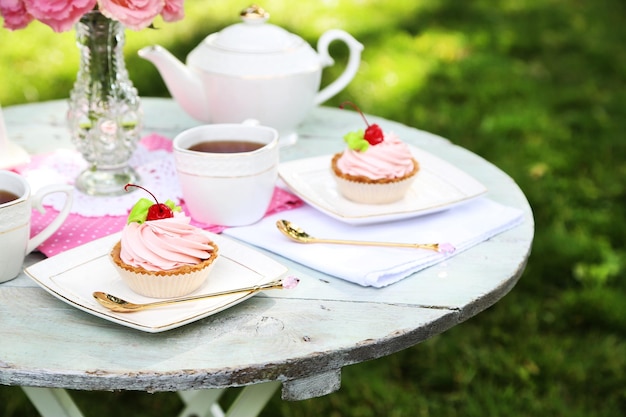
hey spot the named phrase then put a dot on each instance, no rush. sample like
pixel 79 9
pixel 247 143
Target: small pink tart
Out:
pixel 160 253
pixel 164 284
pixel 362 189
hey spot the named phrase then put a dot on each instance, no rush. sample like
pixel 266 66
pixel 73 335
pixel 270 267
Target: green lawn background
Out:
pixel 537 87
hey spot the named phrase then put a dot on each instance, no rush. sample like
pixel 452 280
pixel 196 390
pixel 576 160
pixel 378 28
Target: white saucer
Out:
pixel 74 275
pixel 439 185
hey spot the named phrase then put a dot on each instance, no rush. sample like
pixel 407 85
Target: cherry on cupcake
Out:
pixel 373 133
pixel 158 210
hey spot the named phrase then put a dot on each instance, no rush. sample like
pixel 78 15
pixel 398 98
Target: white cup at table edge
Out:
pixel 15 219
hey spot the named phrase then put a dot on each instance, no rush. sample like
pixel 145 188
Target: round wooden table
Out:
pixel 299 339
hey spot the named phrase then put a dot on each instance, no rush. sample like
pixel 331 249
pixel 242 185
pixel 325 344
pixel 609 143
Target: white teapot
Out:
pixel 254 70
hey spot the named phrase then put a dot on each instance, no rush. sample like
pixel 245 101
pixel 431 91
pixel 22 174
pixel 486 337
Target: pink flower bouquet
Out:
pixel 61 15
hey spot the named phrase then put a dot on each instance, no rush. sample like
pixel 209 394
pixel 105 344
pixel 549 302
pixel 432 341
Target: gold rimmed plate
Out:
pixel 438 186
pixel 74 275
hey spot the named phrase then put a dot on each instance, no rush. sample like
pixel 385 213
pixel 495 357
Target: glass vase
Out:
pixel 104 113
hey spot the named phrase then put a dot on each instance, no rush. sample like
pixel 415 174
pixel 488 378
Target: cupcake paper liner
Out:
pixel 164 286
pixel 372 193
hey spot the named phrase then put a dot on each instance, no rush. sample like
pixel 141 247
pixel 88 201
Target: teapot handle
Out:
pixel 348 74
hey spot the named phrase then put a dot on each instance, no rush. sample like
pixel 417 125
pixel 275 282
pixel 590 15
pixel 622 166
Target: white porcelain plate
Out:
pixel 74 275
pixel 439 185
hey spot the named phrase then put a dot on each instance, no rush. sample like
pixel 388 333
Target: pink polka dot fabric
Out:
pixel 81 228
pixel 77 230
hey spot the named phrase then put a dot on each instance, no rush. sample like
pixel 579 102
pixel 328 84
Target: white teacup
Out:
pixel 15 221
pixel 234 188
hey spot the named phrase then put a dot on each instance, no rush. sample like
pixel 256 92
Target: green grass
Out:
pixel 538 87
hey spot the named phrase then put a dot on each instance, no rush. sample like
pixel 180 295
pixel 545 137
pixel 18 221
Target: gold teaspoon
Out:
pixel 120 305
pixel 295 233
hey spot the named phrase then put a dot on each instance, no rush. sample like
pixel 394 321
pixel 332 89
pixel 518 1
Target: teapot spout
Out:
pixel 184 86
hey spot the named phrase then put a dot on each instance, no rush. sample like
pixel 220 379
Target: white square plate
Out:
pixel 74 275
pixel 439 185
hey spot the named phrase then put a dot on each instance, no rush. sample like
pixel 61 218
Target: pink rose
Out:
pixel 15 14
pixel 60 15
pixel 134 14
pixel 173 10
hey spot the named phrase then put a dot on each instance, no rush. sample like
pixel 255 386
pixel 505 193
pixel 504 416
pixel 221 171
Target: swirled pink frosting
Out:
pixel 162 245
pixel 389 159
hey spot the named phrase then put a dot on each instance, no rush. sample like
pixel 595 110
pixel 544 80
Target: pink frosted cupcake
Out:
pixel 376 168
pixel 160 254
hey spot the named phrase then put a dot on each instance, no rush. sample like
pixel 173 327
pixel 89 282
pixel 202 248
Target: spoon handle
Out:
pixel 254 288
pixel 429 246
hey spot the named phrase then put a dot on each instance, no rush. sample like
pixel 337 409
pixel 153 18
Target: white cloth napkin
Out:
pixel 463 226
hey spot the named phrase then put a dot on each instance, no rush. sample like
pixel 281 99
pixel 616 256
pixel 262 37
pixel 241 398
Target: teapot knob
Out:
pixel 254 14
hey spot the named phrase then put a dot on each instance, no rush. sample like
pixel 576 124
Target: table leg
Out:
pixel 251 401
pixel 56 402
pixel 202 403
pixel 52 402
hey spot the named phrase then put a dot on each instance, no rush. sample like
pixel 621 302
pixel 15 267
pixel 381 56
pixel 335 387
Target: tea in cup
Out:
pixel 16 204
pixel 227 172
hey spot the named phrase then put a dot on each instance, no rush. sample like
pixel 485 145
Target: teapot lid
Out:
pixel 254 35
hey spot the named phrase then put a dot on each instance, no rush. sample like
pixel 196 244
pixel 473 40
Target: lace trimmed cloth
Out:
pixel 95 217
